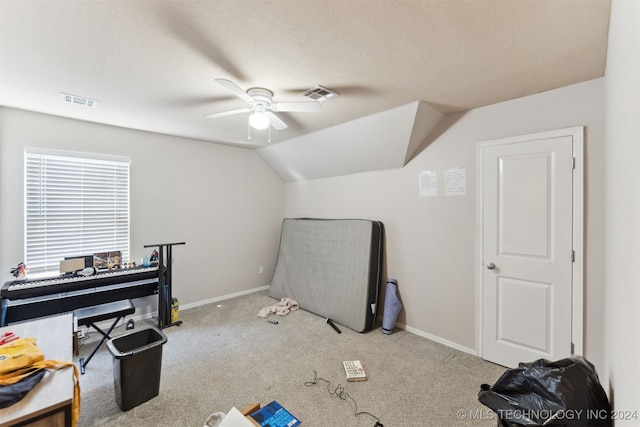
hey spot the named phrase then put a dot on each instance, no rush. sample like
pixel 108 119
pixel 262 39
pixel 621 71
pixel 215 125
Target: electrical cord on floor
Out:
pixel 340 393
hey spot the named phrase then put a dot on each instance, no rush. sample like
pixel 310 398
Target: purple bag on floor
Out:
pixel 392 306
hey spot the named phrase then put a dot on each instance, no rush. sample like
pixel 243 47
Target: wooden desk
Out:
pixel 49 402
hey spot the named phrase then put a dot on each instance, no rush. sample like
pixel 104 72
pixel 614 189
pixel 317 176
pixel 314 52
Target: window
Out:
pixel 74 206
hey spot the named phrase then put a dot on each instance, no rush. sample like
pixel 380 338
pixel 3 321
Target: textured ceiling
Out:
pixel 151 64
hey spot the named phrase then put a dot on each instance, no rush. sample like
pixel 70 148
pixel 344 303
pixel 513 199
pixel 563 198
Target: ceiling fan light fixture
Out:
pixel 258 120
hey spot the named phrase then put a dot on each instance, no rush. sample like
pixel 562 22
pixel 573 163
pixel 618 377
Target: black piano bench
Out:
pixel 89 316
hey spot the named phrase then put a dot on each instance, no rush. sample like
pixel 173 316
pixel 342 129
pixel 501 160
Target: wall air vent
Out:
pixel 320 93
pixel 78 100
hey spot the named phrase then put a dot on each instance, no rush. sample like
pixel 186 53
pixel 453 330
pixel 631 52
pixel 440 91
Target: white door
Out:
pixel 527 246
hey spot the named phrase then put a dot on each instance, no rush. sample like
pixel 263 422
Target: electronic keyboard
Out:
pixel 28 288
pixel 27 299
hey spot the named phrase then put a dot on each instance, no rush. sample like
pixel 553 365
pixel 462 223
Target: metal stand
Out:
pixel 165 297
pixel 89 316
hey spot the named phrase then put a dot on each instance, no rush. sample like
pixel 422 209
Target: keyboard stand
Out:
pixel 89 316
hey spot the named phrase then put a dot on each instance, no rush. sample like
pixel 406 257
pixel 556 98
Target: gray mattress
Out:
pixel 331 267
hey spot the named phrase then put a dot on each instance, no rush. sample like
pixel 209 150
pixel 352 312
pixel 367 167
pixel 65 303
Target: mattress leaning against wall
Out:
pixel 331 267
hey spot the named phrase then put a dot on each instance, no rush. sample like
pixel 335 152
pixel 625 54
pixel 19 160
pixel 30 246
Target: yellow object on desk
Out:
pixel 15 356
pixel 59 396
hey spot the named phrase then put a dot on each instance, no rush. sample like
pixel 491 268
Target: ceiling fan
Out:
pixel 262 107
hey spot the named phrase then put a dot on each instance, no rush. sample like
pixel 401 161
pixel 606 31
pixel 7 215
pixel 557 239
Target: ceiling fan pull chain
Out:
pixel 269 133
pixel 249 132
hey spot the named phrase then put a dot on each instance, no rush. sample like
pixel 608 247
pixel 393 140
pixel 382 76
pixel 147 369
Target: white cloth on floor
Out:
pixel 282 308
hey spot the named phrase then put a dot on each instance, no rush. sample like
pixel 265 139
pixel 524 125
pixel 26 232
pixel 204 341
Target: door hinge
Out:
pixel 573 256
pixel 573 163
pixel 573 348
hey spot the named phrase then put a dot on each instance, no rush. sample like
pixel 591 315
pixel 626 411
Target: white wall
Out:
pixel 622 209
pixel 224 202
pixel 227 204
pixel 431 242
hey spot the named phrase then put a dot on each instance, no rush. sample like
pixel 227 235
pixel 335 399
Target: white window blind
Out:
pixel 73 207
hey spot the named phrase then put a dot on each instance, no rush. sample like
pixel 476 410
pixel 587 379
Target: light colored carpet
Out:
pixel 223 355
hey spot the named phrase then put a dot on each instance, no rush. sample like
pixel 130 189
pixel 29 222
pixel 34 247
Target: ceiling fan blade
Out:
pixel 275 121
pixel 194 34
pixel 301 107
pixel 227 113
pixel 235 89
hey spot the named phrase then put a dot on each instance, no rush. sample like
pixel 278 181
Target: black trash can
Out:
pixel 137 362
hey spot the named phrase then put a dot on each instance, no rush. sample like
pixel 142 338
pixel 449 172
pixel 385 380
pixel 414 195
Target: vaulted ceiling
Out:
pixel 151 64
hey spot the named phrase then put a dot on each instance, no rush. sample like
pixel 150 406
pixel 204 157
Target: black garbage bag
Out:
pixel 543 393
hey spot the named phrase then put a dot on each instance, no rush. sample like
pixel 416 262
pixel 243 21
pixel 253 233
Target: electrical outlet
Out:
pixel 261 269
pixel 80 333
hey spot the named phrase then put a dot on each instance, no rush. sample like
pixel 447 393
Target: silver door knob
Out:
pixel 491 266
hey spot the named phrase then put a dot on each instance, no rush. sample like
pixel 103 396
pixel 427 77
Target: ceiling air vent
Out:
pixel 320 93
pixel 78 100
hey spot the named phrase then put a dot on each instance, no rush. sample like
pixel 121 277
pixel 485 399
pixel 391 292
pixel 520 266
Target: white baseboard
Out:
pixel 154 314
pixel 437 339
pixel 224 297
